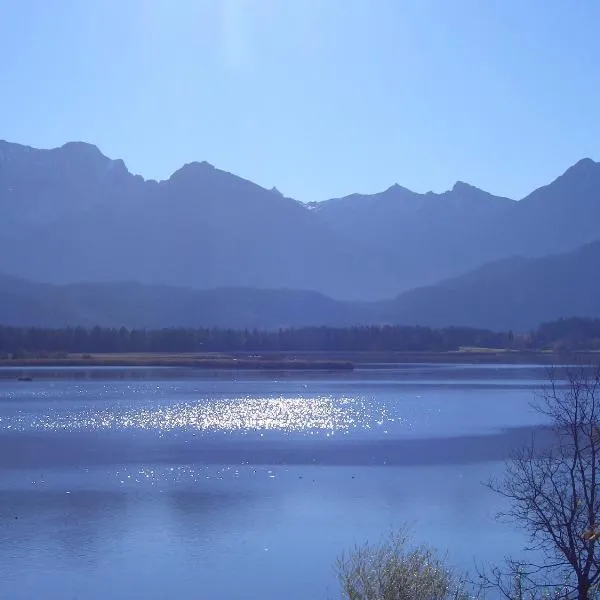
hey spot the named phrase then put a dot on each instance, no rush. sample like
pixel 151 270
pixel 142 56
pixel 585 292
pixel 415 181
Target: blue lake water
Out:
pixel 167 483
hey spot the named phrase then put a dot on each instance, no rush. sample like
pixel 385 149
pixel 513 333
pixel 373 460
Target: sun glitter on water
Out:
pixel 291 414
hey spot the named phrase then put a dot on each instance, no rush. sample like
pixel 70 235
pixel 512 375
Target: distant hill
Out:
pixel 515 293
pixel 24 303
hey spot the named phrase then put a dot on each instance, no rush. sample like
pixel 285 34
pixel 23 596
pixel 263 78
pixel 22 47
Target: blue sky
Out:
pixel 320 98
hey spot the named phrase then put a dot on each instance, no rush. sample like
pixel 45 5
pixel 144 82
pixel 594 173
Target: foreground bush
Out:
pixel 392 570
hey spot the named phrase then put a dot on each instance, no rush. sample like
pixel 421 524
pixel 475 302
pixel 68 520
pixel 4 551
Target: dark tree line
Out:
pixel 567 334
pixel 310 339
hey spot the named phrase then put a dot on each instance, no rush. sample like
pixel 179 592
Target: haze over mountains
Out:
pixel 71 215
pixel 513 293
pixel 23 303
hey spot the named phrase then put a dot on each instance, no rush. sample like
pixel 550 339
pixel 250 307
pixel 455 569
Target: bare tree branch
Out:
pixel 554 495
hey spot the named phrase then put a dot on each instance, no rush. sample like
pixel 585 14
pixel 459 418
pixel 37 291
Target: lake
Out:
pixel 174 483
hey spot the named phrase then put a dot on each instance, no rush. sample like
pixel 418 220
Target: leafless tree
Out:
pixel 553 493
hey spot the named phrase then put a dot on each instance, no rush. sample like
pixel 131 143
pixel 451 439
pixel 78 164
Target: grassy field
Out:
pixel 206 361
pixel 304 360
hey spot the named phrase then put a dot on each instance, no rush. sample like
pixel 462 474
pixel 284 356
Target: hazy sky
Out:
pixel 318 97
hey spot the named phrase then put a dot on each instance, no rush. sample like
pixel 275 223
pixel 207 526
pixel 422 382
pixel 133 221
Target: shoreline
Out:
pixel 294 361
pixel 178 361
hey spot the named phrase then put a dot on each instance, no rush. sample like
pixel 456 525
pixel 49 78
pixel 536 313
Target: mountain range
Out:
pixel 430 236
pixel 207 247
pixel 71 214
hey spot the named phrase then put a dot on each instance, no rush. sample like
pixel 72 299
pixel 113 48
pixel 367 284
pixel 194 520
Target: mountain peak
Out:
pixel 197 167
pixel 88 156
pixel 583 166
pixel 77 156
pixel 192 170
pixel 461 186
pixel 397 189
pixel 80 153
pixel 585 162
pixel 584 174
pixel 80 147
